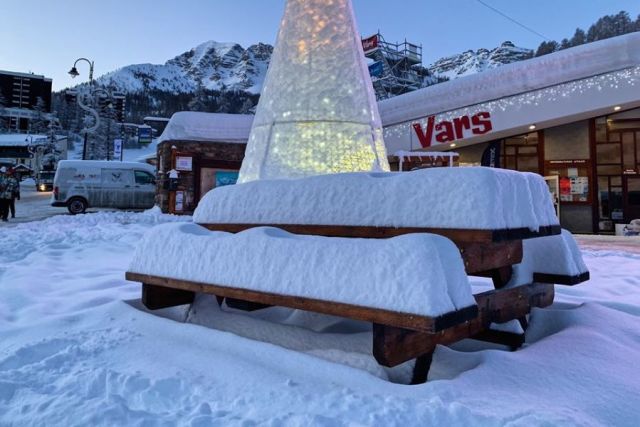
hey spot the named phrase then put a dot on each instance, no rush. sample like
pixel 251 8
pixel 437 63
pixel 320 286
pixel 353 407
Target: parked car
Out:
pixel 80 184
pixel 44 180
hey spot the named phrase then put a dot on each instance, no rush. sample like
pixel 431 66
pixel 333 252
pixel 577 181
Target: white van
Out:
pixel 80 184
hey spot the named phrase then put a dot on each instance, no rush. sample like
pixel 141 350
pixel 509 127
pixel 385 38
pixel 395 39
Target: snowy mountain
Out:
pixel 471 62
pixel 227 78
pixel 215 66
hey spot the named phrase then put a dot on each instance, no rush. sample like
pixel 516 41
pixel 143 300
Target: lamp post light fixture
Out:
pixel 74 73
pixel 74 70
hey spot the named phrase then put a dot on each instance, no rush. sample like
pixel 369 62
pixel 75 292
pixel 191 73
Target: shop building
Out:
pixel 574 115
pixel 198 152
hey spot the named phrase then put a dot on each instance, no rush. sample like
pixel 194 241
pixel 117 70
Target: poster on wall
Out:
pixel 565 189
pixel 179 201
pixel 226 178
pixel 184 163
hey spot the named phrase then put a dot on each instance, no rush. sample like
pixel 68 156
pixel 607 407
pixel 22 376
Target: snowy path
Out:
pixel 73 351
pixel 33 205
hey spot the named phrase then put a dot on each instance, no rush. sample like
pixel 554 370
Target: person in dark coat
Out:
pixel 5 194
pixel 14 184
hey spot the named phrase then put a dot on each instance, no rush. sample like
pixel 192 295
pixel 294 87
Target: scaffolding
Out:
pixel 396 68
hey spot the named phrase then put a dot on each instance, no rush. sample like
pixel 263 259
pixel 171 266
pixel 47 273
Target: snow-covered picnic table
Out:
pixel 393 249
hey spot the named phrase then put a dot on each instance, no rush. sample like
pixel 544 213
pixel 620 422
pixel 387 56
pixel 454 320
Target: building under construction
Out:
pixel 396 68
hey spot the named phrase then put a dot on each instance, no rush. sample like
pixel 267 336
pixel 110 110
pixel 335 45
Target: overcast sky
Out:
pixel 47 36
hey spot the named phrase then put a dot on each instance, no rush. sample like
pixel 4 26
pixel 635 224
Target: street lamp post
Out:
pixel 74 73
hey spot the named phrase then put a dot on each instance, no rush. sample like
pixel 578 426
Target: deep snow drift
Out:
pixel 74 352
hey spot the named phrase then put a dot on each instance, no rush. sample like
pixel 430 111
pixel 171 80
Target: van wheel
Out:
pixel 77 206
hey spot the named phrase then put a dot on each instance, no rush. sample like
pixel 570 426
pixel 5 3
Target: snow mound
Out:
pixel 557 255
pixel 469 198
pixel 421 274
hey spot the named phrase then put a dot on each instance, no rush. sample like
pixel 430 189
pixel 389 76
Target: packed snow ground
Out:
pixel 77 349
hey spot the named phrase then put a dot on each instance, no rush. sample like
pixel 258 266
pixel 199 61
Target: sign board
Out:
pixel 226 178
pixel 117 149
pixel 184 163
pixel 370 44
pixel 179 201
pixel 376 69
pixel 144 135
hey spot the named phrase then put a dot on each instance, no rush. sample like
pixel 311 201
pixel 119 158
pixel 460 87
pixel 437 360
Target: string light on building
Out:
pixel 620 79
pixel 317 113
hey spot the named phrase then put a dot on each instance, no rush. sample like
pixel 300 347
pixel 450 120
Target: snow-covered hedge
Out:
pixel 420 274
pixel 476 198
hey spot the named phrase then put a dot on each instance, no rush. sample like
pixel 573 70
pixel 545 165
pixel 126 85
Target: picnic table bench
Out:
pixel 518 203
pixel 398 337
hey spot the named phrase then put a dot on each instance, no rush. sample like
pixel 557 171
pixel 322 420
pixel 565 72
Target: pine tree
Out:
pixel 579 37
pixel 199 100
pixel 547 47
pixel 101 145
pixel 39 122
pixel 565 44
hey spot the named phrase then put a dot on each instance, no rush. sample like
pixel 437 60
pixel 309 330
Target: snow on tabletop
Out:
pixel 420 274
pixel 468 198
pixel 548 255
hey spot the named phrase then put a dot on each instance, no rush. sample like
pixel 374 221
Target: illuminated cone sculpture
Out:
pixel 317 112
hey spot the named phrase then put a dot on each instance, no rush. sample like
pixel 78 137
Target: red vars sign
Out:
pixel 370 43
pixel 449 131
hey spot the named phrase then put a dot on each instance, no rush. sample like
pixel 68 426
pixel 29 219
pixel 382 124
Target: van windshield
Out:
pixel 46 175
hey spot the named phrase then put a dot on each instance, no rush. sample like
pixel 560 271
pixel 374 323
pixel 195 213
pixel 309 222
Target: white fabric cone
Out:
pixel 317 113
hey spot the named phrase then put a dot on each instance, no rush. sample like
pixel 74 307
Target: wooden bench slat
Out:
pixel 455 234
pixel 560 279
pixel 374 315
pixel 393 346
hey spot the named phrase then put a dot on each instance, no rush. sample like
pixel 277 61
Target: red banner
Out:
pixel 370 44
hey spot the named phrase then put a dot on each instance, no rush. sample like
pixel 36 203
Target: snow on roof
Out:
pixel 19 139
pixel 576 63
pixel 155 119
pixel 105 164
pixel 208 127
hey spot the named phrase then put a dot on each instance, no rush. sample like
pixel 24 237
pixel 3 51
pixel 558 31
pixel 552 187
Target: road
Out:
pixel 33 205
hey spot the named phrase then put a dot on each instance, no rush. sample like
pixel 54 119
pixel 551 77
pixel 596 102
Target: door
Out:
pixel 631 197
pixel 211 178
pixel 207 180
pixel 145 190
pixel 117 188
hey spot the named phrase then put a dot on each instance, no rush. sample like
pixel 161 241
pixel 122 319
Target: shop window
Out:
pixel 601 129
pixel 628 151
pixel 574 177
pixel 521 153
pixel 609 170
pixel 624 124
pixel 608 153
pixel 614 137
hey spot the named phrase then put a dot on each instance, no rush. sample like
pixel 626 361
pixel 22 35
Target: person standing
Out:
pixel 5 194
pixel 14 185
